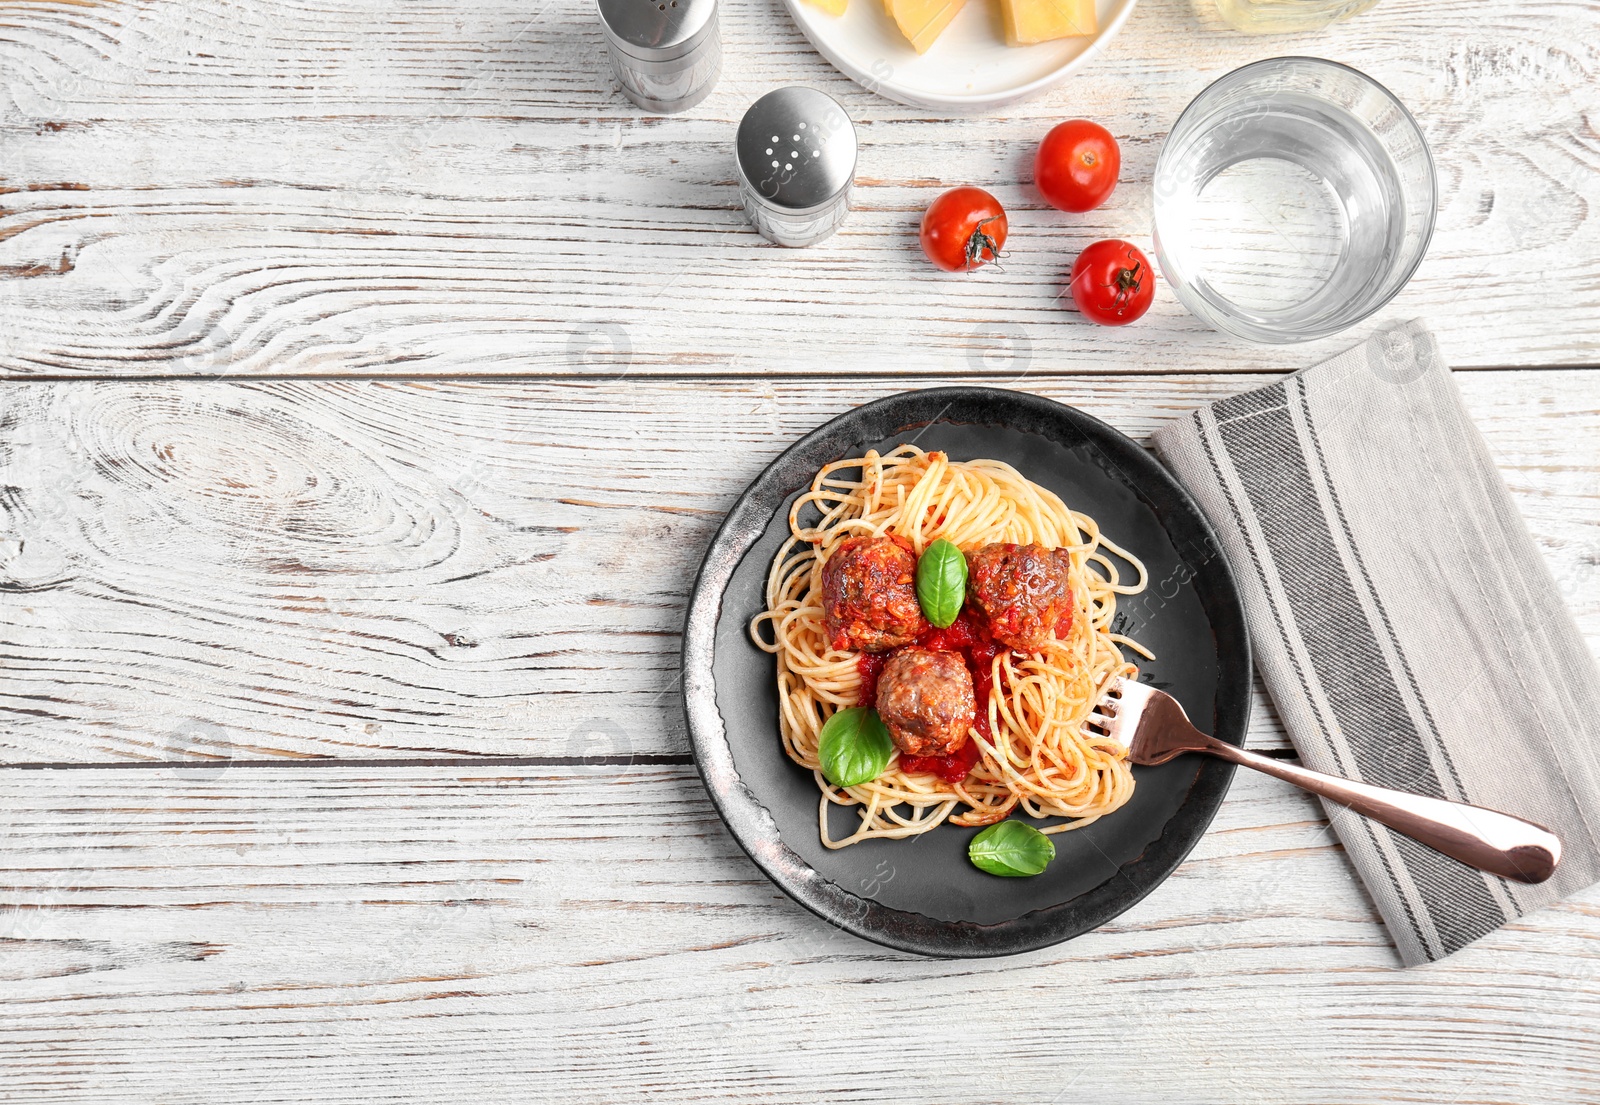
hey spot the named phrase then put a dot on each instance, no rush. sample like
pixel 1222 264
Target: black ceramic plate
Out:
pixel 922 895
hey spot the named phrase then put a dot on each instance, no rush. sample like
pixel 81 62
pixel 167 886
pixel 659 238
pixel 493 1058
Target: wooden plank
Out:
pixel 403 569
pixel 459 188
pixel 280 935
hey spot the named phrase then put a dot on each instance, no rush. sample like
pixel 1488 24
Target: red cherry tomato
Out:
pixel 963 229
pixel 1112 282
pixel 1077 165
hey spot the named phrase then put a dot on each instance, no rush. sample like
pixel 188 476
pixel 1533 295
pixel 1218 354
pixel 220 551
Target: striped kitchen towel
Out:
pixel 1403 620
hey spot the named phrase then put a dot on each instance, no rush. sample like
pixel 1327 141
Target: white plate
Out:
pixel 968 67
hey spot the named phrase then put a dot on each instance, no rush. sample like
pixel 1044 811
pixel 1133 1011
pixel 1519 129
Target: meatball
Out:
pixel 1024 591
pixel 869 594
pixel 925 700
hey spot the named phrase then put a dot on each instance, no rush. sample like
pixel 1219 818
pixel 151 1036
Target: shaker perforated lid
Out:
pixel 797 149
pixel 658 30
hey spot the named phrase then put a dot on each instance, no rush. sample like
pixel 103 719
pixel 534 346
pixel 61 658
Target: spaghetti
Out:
pixel 1036 753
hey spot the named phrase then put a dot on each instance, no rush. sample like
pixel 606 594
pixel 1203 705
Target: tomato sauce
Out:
pixel 870 666
pixel 952 768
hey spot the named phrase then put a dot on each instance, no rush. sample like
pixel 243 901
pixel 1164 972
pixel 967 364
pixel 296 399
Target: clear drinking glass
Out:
pixel 1293 198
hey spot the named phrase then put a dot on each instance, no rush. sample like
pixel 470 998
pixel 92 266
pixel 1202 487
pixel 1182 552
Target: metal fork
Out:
pixel 1154 728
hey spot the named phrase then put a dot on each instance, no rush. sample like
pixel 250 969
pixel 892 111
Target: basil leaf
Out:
pixel 941 582
pixel 855 746
pixel 1012 849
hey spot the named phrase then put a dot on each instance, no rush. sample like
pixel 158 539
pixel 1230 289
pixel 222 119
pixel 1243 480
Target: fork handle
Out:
pixel 1486 839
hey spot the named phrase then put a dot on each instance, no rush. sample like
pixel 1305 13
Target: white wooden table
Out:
pixel 374 376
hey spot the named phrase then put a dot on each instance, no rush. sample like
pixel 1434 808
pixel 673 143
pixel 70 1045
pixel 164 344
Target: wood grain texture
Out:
pixel 276 935
pixel 459 188
pixel 367 569
pixel 312 571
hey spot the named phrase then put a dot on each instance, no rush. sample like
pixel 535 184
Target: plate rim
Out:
pixel 750 823
pixel 899 93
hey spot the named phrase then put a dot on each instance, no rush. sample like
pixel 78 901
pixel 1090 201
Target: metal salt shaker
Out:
pixel 667 53
pixel 797 159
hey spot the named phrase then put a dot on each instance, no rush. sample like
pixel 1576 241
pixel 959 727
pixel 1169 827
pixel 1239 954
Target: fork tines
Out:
pixel 1103 717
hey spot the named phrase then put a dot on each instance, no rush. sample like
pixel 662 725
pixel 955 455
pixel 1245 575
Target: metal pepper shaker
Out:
pixel 667 53
pixel 797 160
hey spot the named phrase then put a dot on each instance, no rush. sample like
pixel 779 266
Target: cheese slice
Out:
pixel 832 7
pixel 922 21
pixel 1030 21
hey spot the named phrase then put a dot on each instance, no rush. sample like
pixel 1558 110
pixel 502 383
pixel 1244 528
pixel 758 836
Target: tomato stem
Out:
pixel 1127 285
pixel 979 242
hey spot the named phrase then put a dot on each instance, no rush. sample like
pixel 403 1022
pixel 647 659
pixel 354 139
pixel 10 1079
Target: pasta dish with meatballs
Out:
pixel 942 630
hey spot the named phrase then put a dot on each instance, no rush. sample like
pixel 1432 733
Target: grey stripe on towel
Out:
pixel 1403 621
